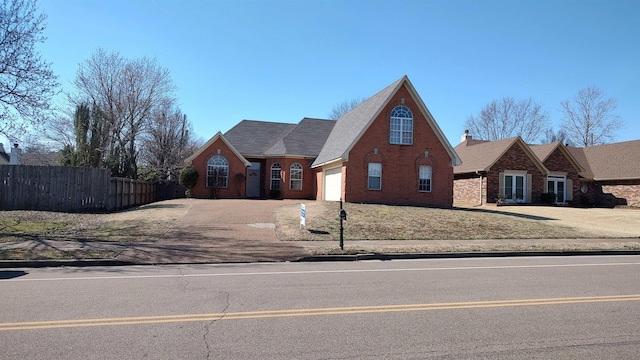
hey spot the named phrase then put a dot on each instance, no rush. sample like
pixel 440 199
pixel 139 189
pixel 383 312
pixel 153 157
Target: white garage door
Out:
pixel 333 184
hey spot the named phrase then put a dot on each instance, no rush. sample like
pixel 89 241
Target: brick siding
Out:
pixel 400 163
pixel 626 191
pixel 557 161
pixel 308 190
pixel 466 190
pixel 236 166
pixel 514 159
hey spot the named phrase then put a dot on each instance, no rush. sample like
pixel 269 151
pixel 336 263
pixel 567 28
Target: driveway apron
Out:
pixel 220 231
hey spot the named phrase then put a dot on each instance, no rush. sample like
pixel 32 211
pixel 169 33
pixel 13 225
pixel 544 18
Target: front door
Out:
pixel 253 180
pixel 514 188
pixel 556 185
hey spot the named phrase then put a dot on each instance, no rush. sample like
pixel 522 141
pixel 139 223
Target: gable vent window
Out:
pixel 295 177
pixel 218 172
pixel 276 175
pixel 401 126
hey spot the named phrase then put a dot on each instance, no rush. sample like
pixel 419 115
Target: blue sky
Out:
pixel 284 60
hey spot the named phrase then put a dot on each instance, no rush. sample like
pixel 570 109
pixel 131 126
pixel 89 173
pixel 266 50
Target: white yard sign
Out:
pixel 303 217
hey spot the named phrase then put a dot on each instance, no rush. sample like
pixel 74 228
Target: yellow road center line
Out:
pixel 309 312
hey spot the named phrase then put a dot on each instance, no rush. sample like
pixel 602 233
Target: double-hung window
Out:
pixel 276 175
pixel 401 126
pixel 424 178
pixel 295 177
pixel 375 176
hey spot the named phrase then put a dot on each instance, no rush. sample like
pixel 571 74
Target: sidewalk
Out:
pixel 242 231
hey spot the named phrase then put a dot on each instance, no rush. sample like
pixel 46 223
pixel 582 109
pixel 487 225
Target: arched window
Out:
pixel 295 177
pixel 218 172
pixel 276 175
pixel 401 126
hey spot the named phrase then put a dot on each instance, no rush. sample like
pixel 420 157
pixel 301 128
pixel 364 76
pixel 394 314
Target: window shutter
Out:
pixel 569 192
pixel 529 181
pixel 501 184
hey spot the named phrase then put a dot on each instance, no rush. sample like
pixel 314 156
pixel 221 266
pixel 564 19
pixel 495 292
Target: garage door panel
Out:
pixel 333 184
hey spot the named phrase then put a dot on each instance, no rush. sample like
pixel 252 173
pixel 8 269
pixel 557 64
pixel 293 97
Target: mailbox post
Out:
pixel 343 217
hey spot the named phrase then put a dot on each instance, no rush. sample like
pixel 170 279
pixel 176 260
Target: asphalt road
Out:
pixel 505 308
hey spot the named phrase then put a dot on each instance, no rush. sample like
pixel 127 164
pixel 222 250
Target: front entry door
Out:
pixel 514 188
pixel 253 180
pixel 556 185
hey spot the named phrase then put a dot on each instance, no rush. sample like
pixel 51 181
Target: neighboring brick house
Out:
pixel 493 169
pixel 563 177
pixel 389 149
pixel 611 173
pixel 599 175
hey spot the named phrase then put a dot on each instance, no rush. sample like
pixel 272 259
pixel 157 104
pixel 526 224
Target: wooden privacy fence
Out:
pixel 69 189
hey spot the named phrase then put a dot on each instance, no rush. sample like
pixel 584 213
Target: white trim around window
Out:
pixel 276 176
pixel 424 178
pixel 374 178
pixel 217 172
pixel 401 126
pixel 295 176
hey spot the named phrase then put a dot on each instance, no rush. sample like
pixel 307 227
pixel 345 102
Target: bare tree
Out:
pixel 505 118
pixel 590 119
pixel 167 141
pixel 344 107
pixel 26 80
pixel 551 136
pixel 125 92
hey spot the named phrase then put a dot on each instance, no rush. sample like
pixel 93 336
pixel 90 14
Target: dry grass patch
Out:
pixel 133 225
pixel 386 222
pixel 56 254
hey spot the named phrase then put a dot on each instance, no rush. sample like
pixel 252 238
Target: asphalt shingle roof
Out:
pixel 350 125
pixel 617 161
pixel 251 137
pixel 543 151
pixel 263 138
pixel 480 155
pixel 306 138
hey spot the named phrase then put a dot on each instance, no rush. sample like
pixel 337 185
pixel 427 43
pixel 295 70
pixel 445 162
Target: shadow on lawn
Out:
pixel 506 213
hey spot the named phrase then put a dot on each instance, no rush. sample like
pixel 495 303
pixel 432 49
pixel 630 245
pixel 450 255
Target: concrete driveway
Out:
pixel 620 223
pixel 213 231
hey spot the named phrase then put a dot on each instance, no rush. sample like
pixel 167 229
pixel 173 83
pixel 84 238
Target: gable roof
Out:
pixel 617 161
pixel 305 139
pixel 543 151
pixel 481 156
pixel 352 125
pixel 215 137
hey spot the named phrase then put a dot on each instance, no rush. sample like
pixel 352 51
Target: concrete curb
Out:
pixel 5 264
pixel 454 255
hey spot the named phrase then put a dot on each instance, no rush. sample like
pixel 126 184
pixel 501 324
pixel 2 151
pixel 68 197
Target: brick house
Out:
pixel 598 175
pixel 491 168
pixel 611 174
pixel 389 149
pixel 563 170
